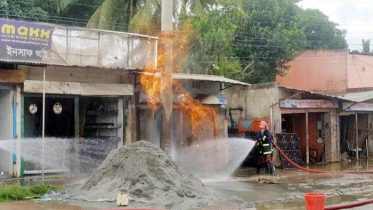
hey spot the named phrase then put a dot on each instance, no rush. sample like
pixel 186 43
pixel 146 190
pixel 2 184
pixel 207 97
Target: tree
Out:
pixel 366 46
pixel 25 10
pixel 254 40
pixel 77 14
pixel 212 49
pixel 249 40
pixel 320 32
pixel 141 16
pixel 269 39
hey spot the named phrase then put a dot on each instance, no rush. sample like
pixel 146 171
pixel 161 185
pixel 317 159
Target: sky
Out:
pixel 356 16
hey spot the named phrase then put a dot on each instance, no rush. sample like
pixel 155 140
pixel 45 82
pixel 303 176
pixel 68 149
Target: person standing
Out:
pixel 265 140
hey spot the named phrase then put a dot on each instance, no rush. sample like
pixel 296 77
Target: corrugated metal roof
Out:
pixel 353 97
pixel 69 65
pixel 357 97
pixel 202 77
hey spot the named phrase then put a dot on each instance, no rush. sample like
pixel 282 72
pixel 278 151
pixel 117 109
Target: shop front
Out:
pixel 76 114
pixel 313 122
pixel 356 125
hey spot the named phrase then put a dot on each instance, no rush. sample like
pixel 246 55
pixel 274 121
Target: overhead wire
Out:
pixel 70 20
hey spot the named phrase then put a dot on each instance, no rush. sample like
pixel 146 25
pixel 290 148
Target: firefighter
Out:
pixel 265 138
pixel 260 158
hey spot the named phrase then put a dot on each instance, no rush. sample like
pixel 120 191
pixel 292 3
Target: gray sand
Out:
pixel 152 178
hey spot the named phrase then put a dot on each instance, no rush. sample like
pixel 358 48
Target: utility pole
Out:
pixel 357 135
pixel 307 140
pixel 166 78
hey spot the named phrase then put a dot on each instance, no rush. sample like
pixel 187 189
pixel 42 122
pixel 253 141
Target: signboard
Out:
pixel 12 77
pixel 308 104
pixel 223 99
pixel 25 41
pixel 357 107
pixel 44 43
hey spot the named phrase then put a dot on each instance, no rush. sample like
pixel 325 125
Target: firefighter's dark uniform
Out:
pixel 265 140
pixel 260 158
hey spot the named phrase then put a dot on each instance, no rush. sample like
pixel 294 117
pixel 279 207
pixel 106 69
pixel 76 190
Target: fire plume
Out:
pixel 151 86
pixel 198 114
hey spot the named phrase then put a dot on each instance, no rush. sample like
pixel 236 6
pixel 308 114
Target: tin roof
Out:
pixel 35 63
pixel 202 77
pixel 357 97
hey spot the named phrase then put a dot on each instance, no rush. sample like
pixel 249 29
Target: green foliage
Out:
pixel 143 16
pixel 249 40
pixel 269 38
pixel 320 32
pixel 25 9
pixel 253 40
pixel 13 193
pixel 366 46
pixel 43 189
pixel 16 193
pixel 211 49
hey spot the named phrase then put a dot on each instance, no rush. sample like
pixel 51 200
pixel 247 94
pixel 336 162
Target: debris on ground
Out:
pixel 152 178
pixel 345 157
pixel 52 195
pixel 267 179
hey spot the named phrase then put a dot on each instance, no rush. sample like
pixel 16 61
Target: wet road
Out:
pixel 290 186
pixel 247 191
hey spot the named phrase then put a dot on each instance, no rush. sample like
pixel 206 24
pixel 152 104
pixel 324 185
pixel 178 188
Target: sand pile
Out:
pixel 149 174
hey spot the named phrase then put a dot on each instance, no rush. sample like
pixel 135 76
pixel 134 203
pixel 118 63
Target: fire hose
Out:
pixel 343 206
pixel 349 205
pixel 317 171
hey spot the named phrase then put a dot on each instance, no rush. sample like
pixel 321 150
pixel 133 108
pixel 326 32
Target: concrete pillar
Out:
pixel 166 78
pixel 18 170
pixel 166 133
pixel 335 136
pixel 131 125
pixel 120 118
pixel 307 140
pixel 370 135
pixel 332 136
pixel 277 128
pixel 357 135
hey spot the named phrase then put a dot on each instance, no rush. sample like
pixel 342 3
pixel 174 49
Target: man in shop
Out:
pixel 265 138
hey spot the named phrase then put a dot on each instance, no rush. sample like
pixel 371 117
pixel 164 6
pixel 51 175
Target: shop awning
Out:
pixel 77 88
pixel 357 97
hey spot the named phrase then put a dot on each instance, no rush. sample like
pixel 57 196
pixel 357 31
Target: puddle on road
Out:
pixel 300 204
pixel 292 184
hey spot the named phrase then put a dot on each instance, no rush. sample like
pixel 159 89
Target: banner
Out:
pixel 357 107
pixel 25 41
pixel 308 103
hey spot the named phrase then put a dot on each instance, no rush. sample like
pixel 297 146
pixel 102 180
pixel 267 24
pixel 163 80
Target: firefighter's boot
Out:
pixel 258 169
pixel 268 168
pixel 272 169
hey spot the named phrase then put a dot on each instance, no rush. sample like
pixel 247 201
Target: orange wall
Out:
pixel 360 65
pixel 322 70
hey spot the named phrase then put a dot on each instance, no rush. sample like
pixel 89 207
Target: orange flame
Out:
pixel 151 86
pixel 197 114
